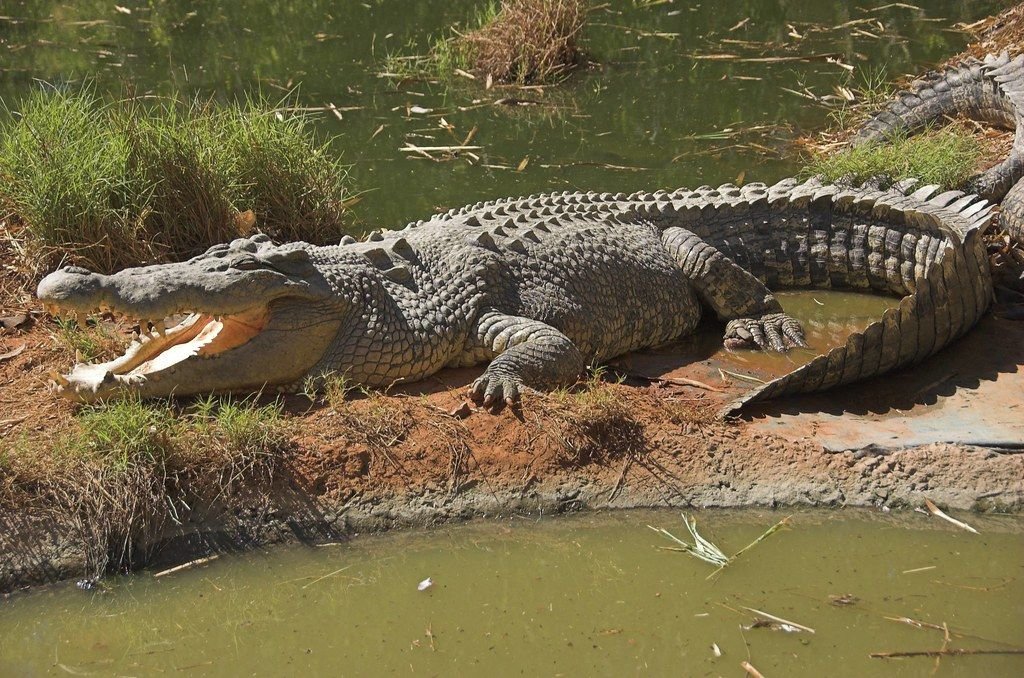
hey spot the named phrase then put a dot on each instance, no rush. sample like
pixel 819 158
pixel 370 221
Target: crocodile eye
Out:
pixel 245 263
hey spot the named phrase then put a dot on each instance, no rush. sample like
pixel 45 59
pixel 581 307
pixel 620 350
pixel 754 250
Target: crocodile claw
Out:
pixel 770 332
pixel 493 390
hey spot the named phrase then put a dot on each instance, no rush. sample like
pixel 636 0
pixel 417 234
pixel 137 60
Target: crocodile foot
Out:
pixel 772 331
pixel 495 389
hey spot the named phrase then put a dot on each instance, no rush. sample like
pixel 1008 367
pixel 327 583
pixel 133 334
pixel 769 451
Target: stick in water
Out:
pixel 934 510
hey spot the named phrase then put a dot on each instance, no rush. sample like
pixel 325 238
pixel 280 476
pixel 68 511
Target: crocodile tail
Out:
pixel 993 184
pixel 1012 215
pixel 987 91
pixel 949 296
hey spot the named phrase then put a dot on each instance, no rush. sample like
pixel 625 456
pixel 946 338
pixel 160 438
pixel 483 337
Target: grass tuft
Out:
pixel 525 41
pixel 126 469
pixel 595 423
pixel 113 184
pixel 520 42
pixel 945 157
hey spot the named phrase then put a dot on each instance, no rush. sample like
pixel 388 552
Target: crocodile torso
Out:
pixel 989 90
pixel 538 287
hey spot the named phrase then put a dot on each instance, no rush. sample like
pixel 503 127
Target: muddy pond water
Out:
pixel 582 595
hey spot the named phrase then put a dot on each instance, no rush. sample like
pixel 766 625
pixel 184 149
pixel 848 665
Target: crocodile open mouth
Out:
pixel 156 350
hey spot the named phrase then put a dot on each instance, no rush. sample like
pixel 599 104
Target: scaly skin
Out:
pixel 989 91
pixel 539 287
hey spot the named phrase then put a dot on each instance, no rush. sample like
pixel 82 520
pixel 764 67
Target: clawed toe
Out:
pixel 771 332
pixel 494 390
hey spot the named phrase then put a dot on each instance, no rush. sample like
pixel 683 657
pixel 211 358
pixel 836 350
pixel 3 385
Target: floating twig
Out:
pixel 779 619
pixel 955 652
pixel 767 533
pixel 751 671
pixel 329 574
pixel 675 381
pixel 744 377
pixel 185 566
pixel 935 511
pixel 410 148
pixel 705 550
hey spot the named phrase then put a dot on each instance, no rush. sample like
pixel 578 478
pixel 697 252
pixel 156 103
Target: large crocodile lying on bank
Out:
pixel 989 90
pixel 539 287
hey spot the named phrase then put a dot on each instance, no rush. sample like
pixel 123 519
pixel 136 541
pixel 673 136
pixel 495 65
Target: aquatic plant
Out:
pixel 515 42
pixel 527 41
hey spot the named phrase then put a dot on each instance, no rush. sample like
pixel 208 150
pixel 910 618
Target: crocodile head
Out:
pixel 257 315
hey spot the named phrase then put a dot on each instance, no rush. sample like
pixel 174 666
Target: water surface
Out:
pixel 672 83
pixel 584 595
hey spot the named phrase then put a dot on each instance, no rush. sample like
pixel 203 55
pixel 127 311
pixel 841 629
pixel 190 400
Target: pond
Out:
pixel 583 595
pixel 680 94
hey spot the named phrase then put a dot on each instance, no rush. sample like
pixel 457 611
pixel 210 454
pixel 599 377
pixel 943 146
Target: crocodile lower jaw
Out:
pixel 200 336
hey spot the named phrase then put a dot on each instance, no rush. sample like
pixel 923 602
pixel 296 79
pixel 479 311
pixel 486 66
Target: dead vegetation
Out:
pixel 994 34
pixel 593 423
pixel 526 41
pixel 374 420
pixel 514 42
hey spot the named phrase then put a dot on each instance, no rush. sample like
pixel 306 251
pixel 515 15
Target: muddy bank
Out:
pixel 385 462
pixel 530 464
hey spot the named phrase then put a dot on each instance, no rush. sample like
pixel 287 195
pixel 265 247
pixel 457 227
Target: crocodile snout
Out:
pixel 71 287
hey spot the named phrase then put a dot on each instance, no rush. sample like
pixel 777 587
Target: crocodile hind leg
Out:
pixel 527 353
pixel 754 317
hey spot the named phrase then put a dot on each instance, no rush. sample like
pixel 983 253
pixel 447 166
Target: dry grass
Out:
pixel 519 42
pixel 377 421
pixel 593 424
pixel 1004 31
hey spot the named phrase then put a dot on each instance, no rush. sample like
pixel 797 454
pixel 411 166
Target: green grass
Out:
pixel 110 184
pixel 945 157
pixel 125 469
pixel 871 88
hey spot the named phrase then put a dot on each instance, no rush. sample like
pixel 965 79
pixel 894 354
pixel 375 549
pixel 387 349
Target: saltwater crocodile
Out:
pixel 989 90
pixel 541 286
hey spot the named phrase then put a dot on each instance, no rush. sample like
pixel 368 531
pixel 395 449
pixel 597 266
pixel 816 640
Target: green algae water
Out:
pixel 678 94
pixel 580 595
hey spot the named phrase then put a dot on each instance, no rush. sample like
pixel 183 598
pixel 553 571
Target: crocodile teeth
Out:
pixel 160 327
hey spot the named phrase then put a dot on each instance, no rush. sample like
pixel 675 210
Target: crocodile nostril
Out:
pixel 77 270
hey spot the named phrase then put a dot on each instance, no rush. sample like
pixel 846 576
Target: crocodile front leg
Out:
pixel 753 315
pixel 526 353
